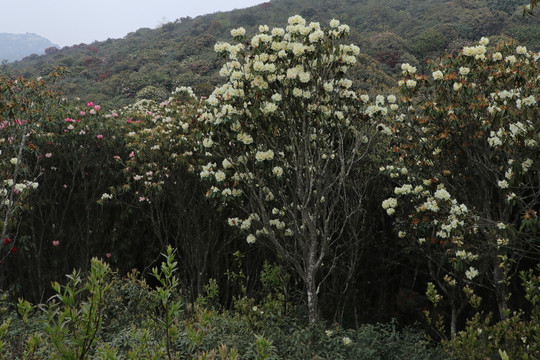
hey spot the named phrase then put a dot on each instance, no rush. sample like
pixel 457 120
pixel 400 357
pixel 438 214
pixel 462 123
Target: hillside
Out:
pixel 152 62
pixel 15 47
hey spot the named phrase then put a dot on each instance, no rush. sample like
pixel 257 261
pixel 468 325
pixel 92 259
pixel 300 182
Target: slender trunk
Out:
pixel 311 282
pixel 312 296
pixel 501 292
pixel 456 312
pixel 453 321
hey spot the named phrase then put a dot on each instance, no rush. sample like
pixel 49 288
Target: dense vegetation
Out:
pixel 153 62
pixel 299 216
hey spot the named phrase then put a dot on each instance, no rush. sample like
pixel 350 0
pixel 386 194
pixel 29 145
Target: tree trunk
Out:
pixel 501 292
pixel 456 312
pixel 312 296
pixel 453 321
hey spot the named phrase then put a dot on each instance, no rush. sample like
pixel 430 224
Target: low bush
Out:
pixel 102 315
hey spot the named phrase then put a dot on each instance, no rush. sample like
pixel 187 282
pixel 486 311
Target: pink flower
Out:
pixel 56 242
pixel 97 107
pixel 82 113
pixel 90 104
pixel 93 112
pixel 131 154
pixel 99 136
pixel 67 120
pixel 116 157
pixel 48 155
pixel 108 255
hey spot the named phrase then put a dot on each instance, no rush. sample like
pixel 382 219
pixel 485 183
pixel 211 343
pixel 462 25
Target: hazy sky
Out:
pixel 68 22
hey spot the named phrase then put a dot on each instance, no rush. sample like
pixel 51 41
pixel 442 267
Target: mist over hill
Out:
pixel 15 47
pixel 150 63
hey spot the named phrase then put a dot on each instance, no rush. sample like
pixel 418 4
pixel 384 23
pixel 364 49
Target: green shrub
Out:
pixel 517 337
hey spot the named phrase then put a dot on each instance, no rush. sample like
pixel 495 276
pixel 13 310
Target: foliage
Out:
pixel 73 323
pixel 518 337
pixel 78 326
pixel 166 295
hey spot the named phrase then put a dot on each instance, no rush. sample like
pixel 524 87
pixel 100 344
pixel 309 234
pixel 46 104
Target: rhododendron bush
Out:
pixel 467 156
pixel 22 104
pixel 286 142
pixel 161 186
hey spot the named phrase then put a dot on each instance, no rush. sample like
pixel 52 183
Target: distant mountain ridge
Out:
pixel 15 47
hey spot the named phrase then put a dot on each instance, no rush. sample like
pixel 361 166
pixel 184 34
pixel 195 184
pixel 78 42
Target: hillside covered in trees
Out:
pixel 150 63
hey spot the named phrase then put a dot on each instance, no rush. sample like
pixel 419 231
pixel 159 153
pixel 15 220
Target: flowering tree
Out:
pixel 22 104
pixel 162 187
pixel 467 165
pixel 285 139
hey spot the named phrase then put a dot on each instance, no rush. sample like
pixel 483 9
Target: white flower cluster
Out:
pixel 407 69
pixel 390 205
pixel 458 209
pixel 232 192
pixel 245 138
pixel 106 196
pixel 451 224
pixel 264 155
pixel 438 75
pixel 207 170
pixel 466 255
pixel 494 139
pixel 478 51
pixel 471 273
pixel 394 171
pixel 277 171
pixel 430 204
pixel 244 224
pixel 186 89
pixel 464 70
pixel 442 194
pixel 238 32
pixel 280 225
pixel 403 190
pixel 503 184
pixel 18 188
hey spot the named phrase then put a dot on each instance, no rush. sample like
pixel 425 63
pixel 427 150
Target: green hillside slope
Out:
pixel 153 62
